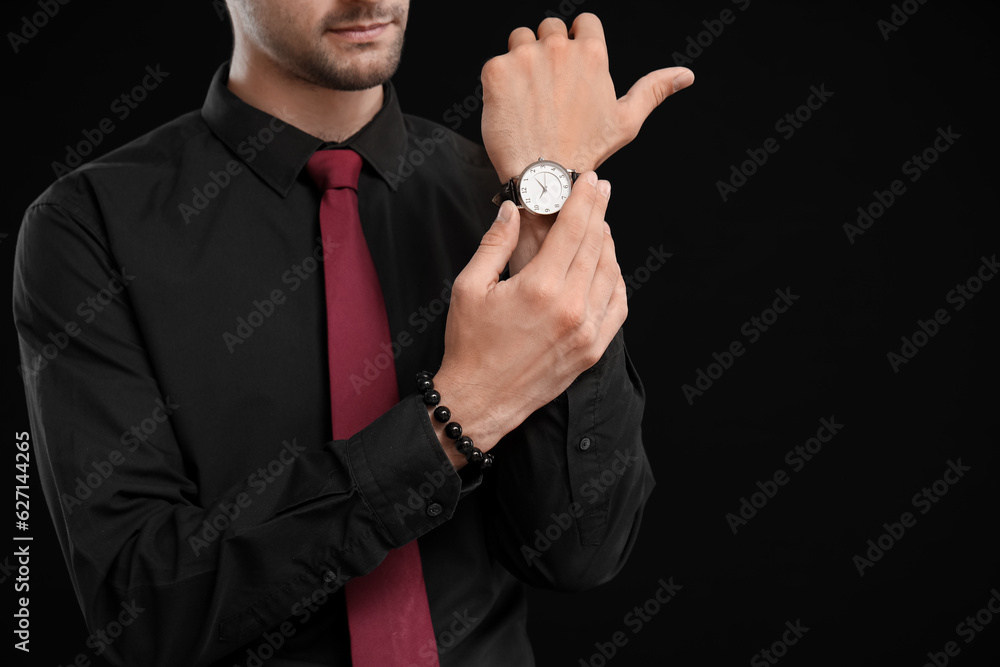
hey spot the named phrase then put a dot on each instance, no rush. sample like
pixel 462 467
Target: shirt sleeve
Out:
pixel 569 485
pixel 192 579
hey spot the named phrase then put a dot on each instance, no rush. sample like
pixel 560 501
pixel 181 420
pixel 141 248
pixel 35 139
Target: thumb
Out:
pixel 650 91
pixel 496 247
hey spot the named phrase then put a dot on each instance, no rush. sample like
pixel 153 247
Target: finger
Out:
pixel 519 37
pixel 649 93
pixel 615 315
pixel 582 273
pixel 552 27
pixel 495 248
pixel 607 276
pixel 587 25
pixel 566 234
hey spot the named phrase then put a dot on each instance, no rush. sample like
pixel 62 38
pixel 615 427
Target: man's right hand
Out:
pixel 512 346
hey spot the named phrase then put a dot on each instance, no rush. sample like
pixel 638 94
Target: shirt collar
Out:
pixel 278 157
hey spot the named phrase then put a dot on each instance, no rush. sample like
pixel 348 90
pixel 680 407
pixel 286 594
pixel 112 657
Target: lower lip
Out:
pixel 361 36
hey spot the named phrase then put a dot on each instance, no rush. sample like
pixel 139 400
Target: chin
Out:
pixel 358 68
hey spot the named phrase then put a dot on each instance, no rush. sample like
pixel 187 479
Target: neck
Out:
pixel 331 115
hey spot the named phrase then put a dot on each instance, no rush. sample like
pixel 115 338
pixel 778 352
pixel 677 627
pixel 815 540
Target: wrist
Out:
pixel 458 460
pixel 454 437
pixel 470 406
pixel 539 190
pixel 534 229
pixel 532 218
pixel 511 168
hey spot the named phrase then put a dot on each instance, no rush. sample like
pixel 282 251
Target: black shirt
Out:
pixel 170 306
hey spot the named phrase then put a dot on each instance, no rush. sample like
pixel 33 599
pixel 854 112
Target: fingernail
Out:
pixel 591 178
pixel 683 80
pixel 506 210
pixel 604 187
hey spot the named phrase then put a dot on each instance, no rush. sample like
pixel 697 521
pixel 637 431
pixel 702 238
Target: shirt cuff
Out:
pixel 615 348
pixel 601 412
pixel 403 473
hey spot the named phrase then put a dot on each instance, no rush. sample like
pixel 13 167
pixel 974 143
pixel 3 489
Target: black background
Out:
pixel 825 357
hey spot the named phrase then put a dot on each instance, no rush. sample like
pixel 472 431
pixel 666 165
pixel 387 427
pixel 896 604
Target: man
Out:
pixel 176 311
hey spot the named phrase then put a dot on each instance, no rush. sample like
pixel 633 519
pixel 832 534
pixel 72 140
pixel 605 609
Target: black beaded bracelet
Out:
pixel 453 430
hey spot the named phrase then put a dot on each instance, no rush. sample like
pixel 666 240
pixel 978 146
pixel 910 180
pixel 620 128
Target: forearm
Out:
pixel 212 574
pixel 208 568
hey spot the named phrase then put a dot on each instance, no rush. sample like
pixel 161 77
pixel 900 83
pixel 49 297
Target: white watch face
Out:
pixel 544 187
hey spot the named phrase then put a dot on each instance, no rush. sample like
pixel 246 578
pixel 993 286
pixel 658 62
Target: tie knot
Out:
pixel 337 168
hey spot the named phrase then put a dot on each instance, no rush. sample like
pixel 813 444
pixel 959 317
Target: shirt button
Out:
pixel 329 576
pixel 434 509
pixel 585 444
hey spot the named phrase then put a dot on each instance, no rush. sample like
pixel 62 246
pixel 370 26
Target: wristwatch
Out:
pixel 542 187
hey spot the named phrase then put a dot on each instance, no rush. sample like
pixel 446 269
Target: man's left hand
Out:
pixel 553 97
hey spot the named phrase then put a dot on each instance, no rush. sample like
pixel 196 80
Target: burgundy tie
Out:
pixel 387 609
